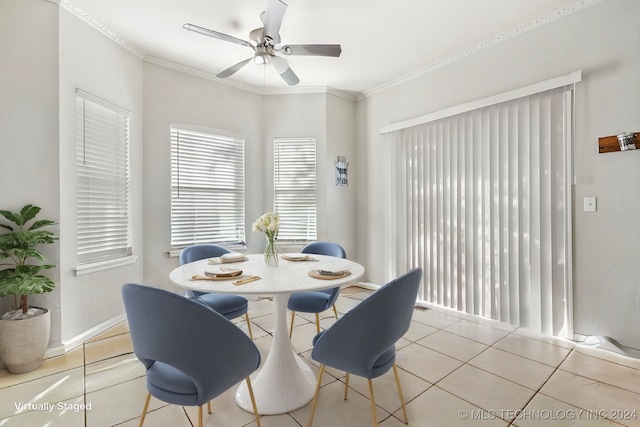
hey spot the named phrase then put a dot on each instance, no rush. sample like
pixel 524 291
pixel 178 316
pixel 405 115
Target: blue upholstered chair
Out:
pixel 192 353
pixel 362 342
pixel 316 302
pixel 230 306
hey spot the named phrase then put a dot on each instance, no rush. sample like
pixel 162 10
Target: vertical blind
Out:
pixel 295 187
pixel 103 180
pixel 207 188
pixel 481 200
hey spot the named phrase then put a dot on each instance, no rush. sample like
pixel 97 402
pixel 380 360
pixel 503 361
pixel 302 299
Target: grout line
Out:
pixel 84 380
pixel 538 391
pixel 187 415
pixel 294 420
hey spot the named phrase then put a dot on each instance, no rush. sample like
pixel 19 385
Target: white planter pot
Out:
pixel 24 342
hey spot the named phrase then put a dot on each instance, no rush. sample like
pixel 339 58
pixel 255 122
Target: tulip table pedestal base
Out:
pixel 285 382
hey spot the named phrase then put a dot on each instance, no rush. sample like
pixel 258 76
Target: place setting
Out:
pixel 228 258
pixel 330 272
pixel 225 274
pixel 296 257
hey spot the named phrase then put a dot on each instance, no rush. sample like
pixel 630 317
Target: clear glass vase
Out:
pixel 271 252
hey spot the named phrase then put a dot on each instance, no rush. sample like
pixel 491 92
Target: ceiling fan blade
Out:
pixel 272 19
pixel 282 67
pixel 217 35
pixel 312 49
pixel 233 69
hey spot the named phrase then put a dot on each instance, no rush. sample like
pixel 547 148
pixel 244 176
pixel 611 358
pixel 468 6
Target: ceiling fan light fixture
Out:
pixel 260 58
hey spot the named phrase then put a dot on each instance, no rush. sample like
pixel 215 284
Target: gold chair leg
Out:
pixel 346 385
pixel 318 323
pixel 144 409
pixel 209 407
pixel 373 404
pixel 200 416
pixel 249 325
pixel 253 400
pixel 293 316
pixel 404 408
pixel 315 396
pixel 335 310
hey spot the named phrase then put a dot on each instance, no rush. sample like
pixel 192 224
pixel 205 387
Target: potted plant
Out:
pixel 24 332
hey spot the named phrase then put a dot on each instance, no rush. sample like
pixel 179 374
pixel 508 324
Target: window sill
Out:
pixel 238 247
pixel 294 243
pixel 94 267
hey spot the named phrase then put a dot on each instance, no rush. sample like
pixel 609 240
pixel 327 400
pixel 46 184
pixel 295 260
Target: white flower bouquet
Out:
pixel 269 224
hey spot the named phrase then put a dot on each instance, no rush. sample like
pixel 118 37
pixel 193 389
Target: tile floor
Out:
pixel 455 369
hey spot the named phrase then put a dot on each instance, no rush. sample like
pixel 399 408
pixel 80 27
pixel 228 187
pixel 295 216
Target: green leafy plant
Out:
pixel 19 275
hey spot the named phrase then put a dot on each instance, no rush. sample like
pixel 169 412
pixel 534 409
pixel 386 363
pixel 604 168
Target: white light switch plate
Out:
pixel 590 204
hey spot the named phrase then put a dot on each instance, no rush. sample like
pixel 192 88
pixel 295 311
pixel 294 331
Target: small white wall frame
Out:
pixel 341 171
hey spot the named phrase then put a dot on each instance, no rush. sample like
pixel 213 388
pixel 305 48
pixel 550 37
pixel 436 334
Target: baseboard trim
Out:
pixel 79 339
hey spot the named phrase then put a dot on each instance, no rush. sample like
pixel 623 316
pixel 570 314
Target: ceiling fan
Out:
pixel 266 45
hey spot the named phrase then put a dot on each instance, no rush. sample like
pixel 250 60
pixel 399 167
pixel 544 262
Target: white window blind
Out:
pixel 103 181
pixel 295 188
pixel 207 188
pixel 482 202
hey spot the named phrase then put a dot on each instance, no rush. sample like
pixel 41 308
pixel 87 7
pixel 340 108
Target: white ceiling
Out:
pixel 381 40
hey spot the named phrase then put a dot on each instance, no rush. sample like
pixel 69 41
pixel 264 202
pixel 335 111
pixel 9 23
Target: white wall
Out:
pixel 92 62
pixel 29 125
pixel 603 41
pixel 340 215
pixel 174 97
pixel 298 115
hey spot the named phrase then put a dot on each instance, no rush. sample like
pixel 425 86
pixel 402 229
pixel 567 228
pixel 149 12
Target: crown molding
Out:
pixel 95 23
pixel 509 34
pixel 309 89
pixel 199 73
pixel 349 96
pixel 250 88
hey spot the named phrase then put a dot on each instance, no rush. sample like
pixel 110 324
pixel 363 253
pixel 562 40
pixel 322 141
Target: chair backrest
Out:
pixel 331 249
pixel 198 252
pixel 325 248
pixel 189 336
pixel 375 324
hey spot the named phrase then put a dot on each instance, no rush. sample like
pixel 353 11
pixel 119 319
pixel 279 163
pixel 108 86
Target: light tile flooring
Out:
pixel 455 369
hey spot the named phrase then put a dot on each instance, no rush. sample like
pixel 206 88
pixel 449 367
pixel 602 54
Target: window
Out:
pixel 295 187
pixel 207 188
pixel 103 181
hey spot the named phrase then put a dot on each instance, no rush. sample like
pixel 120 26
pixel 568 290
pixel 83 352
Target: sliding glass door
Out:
pixel 483 202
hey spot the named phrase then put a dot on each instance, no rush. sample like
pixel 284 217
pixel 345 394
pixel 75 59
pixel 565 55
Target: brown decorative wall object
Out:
pixel 610 144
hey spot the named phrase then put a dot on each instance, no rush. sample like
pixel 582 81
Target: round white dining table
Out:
pixel 285 382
